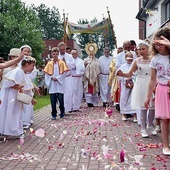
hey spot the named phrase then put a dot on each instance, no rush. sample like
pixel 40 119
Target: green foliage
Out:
pixel 51 24
pixel 19 26
pixel 42 101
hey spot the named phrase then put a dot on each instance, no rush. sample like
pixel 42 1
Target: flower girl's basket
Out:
pixel 24 98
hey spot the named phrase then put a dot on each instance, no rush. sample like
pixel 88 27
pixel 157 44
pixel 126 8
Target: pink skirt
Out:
pixel 162 102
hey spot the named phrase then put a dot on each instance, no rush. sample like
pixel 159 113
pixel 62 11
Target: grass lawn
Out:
pixel 41 101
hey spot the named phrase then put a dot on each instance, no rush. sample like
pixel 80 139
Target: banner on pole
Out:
pixel 97 27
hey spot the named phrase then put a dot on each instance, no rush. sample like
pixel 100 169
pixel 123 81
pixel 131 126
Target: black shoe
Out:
pixel 70 111
pixel 90 105
pixel 118 107
pixel 129 115
pixel 104 104
pixel 62 115
pixel 75 110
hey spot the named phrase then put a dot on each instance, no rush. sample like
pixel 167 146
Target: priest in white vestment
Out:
pixel 77 75
pixel 91 76
pixel 105 61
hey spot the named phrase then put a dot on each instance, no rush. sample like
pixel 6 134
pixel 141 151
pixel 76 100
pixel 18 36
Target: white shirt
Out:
pixel 162 65
pixel 105 63
pixel 69 61
pixel 80 68
pixel 55 86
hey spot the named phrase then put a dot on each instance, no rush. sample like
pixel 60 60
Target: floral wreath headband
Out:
pixel 91 48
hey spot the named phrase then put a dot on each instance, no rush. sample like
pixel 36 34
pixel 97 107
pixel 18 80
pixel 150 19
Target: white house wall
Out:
pixel 154 22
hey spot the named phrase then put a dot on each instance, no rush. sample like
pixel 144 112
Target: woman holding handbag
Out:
pixel 11 108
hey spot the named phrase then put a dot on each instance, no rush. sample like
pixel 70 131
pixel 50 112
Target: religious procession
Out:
pixel 105 112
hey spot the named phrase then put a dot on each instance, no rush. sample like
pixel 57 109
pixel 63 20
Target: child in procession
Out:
pixel 160 74
pixel 11 109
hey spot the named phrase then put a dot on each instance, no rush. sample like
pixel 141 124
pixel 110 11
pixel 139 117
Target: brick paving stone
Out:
pixel 75 143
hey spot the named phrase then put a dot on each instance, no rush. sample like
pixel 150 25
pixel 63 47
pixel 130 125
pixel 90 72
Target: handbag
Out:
pixel 24 98
pixel 129 83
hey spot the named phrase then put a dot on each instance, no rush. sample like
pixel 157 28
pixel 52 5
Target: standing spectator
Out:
pixel 92 71
pixel 77 76
pixel 14 53
pixel 11 109
pixel 55 72
pixel 68 89
pixel 139 92
pixel 104 87
pixel 119 50
pixel 40 79
pixel 68 50
pixel 133 45
pixel 160 73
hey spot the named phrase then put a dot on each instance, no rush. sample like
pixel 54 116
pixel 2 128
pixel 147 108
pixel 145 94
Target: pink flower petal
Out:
pixel 122 156
pixel 21 142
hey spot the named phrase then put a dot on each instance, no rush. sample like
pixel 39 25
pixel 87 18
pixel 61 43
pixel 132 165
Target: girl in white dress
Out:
pixel 11 109
pixel 139 92
pixel 28 111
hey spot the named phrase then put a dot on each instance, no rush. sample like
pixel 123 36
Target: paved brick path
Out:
pixel 77 142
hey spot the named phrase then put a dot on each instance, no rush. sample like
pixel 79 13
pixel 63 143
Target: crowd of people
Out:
pixel 148 78
pixel 136 81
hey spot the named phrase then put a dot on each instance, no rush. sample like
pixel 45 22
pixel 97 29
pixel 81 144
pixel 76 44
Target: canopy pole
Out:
pixel 64 25
pixel 111 25
pixel 106 34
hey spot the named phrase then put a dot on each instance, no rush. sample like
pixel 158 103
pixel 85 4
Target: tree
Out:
pixel 19 26
pixel 51 23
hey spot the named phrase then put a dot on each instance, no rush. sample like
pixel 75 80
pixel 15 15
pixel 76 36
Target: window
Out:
pixel 167 11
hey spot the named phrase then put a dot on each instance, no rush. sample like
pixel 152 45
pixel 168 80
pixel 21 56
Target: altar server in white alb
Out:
pixel 105 61
pixel 55 73
pixel 68 89
pixel 120 58
pixel 126 88
pixel 77 75
pixel 11 122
